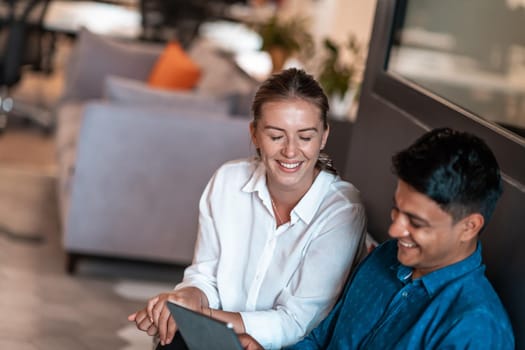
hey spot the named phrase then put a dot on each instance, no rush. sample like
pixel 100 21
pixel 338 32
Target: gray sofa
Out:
pixel 133 161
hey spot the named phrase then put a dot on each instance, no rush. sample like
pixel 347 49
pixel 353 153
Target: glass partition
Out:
pixel 471 53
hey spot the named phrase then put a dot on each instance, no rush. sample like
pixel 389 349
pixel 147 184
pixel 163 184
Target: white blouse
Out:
pixel 283 280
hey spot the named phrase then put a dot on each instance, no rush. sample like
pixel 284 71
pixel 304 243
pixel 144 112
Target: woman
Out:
pixel 277 233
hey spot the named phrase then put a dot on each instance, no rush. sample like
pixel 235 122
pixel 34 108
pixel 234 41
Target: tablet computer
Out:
pixel 201 332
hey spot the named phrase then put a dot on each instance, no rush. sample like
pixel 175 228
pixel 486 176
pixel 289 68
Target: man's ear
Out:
pixel 471 225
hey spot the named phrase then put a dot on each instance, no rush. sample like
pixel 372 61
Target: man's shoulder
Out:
pixel 379 262
pixel 474 307
pixel 475 296
pixel 386 250
pixel 478 323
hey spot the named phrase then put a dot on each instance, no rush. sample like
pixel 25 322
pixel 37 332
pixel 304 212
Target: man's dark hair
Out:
pixel 455 169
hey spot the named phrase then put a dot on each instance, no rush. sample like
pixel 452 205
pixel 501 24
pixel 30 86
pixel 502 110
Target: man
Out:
pixel 426 288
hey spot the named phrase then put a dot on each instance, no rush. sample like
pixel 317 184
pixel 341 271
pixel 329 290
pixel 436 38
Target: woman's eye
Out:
pixel 305 138
pixel 275 138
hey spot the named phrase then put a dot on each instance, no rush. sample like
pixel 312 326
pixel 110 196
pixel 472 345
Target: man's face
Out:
pixel 428 239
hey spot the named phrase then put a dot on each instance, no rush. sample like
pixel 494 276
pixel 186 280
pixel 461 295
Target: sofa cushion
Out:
pixel 129 91
pixel 174 70
pixel 241 104
pixel 220 76
pixel 95 56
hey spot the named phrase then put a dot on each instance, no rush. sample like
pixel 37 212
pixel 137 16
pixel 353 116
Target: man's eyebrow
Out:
pixel 411 216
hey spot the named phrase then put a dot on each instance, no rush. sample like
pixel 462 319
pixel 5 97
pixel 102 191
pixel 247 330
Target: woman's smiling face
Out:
pixel 289 135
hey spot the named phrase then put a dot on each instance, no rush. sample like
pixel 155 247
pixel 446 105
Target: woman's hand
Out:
pixel 143 322
pixel 156 317
pixel 248 343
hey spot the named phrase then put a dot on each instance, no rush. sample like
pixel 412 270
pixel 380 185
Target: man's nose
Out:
pixel 398 227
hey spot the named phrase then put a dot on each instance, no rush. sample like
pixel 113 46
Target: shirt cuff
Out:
pixel 256 324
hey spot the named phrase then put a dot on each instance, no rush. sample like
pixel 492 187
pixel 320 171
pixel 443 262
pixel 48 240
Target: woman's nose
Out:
pixel 290 148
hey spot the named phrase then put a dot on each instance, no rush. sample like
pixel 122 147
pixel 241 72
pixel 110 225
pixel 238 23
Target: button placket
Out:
pixel 260 272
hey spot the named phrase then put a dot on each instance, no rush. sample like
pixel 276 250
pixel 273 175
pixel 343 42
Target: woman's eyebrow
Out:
pixel 314 129
pixel 273 128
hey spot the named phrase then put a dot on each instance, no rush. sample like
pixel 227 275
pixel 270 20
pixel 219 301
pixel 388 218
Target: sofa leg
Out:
pixel 71 263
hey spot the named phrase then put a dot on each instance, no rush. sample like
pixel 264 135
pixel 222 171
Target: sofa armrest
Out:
pixel 138 178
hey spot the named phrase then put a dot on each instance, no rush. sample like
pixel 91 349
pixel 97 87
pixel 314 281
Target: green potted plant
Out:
pixel 282 38
pixel 339 72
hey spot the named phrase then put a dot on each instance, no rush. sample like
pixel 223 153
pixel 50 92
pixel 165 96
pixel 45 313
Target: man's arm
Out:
pixel 320 336
pixel 311 342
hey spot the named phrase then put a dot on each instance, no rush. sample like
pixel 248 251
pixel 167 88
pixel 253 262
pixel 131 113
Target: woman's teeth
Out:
pixel 289 165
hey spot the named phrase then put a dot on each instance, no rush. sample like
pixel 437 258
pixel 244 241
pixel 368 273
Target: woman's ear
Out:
pixel 325 137
pixel 252 134
pixel 471 226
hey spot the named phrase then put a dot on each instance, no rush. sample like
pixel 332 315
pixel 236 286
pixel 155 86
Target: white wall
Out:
pixel 334 18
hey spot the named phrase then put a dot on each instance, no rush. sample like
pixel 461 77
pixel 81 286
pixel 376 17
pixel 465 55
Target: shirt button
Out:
pixel 404 294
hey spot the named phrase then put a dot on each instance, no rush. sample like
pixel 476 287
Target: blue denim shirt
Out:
pixel 383 308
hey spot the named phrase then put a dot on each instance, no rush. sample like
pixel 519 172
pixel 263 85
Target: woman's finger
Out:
pixel 151 304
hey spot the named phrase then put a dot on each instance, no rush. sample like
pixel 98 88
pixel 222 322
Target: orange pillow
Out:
pixel 174 70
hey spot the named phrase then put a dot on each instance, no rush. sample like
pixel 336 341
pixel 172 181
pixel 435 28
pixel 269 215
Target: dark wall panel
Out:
pixel 378 133
pixel 392 114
